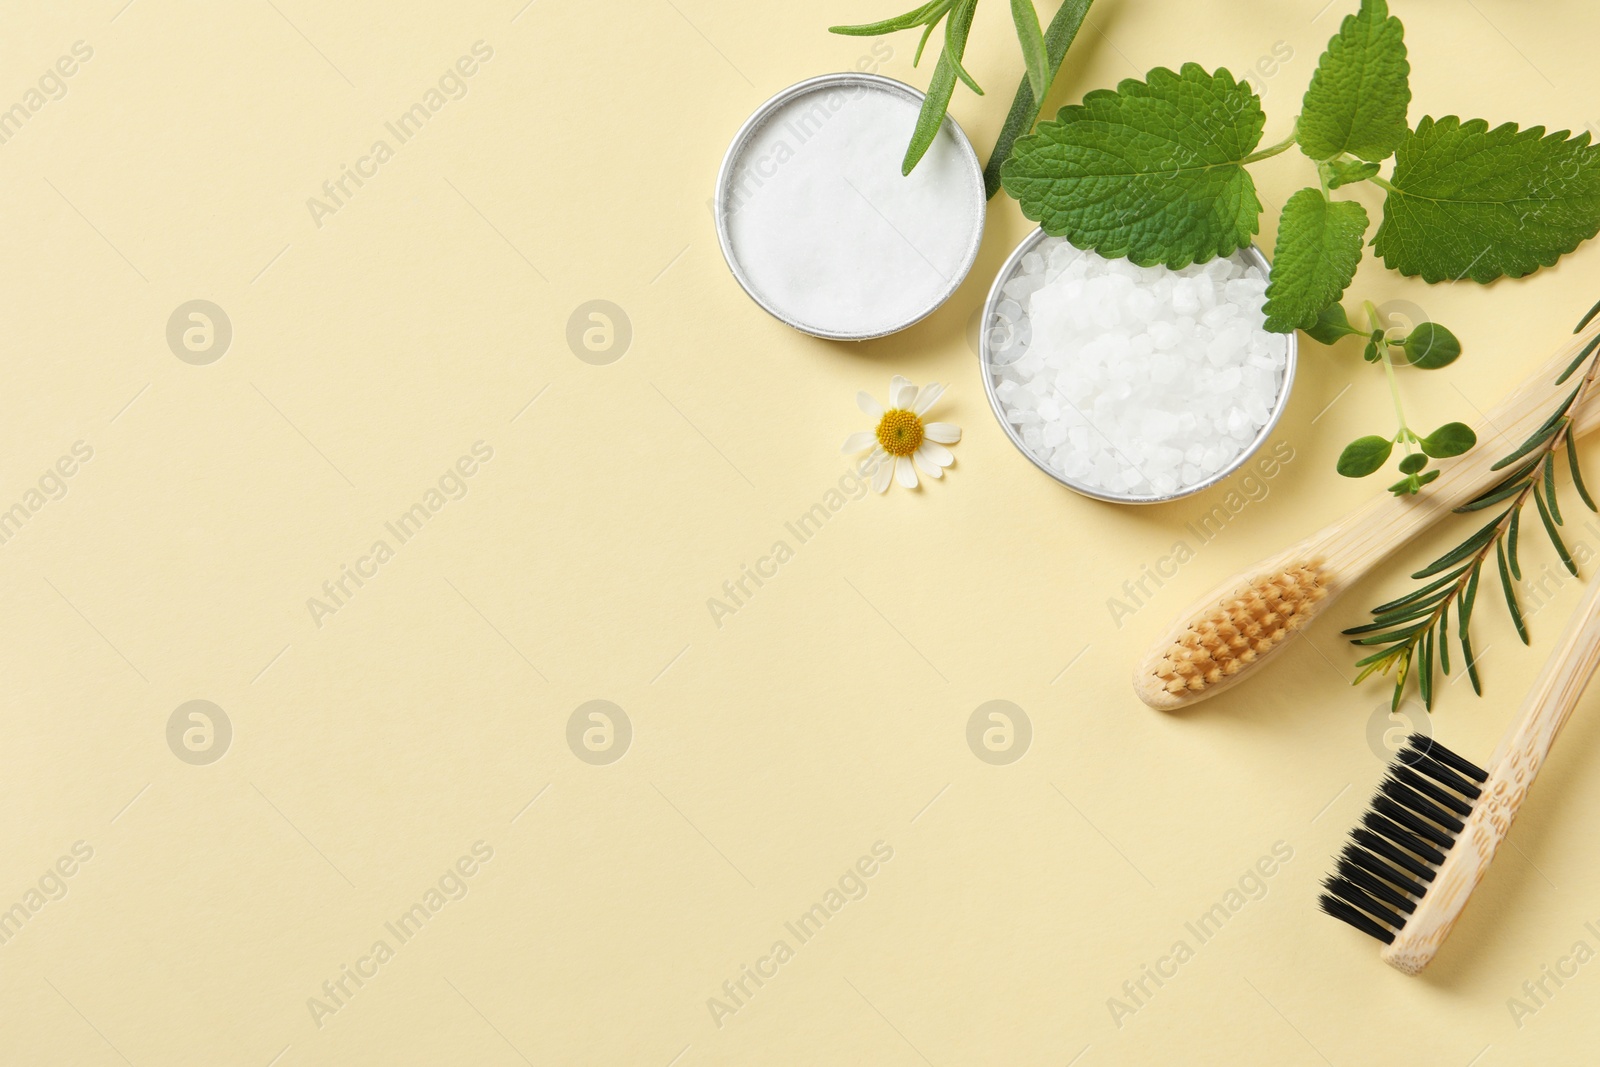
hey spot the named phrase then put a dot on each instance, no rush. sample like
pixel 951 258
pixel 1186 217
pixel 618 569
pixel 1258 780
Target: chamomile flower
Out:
pixel 901 442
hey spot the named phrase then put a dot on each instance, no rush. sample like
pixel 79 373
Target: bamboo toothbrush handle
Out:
pixel 1303 580
pixel 1511 772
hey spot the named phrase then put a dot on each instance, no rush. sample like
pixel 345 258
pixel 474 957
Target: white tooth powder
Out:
pixel 1134 381
pixel 820 226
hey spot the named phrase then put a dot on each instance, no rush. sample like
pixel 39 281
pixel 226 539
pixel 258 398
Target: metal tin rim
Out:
pixel 985 354
pixel 759 118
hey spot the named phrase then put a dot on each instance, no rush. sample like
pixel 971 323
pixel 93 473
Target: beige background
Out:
pixel 830 713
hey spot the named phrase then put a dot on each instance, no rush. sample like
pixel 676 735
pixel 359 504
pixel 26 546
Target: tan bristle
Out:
pixel 1246 625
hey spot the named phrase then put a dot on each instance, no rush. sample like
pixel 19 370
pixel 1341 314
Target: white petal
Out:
pixel 946 433
pixel 867 404
pixel 858 442
pixel 930 393
pixel 927 466
pixel 904 472
pixel 881 476
pixel 902 394
pixel 935 453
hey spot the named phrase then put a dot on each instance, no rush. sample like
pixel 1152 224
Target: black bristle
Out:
pixel 1351 893
pixel 1403 838
pixel 1377 888
pixel 1443 797
pixel 1429 747
pixel 1439 773
pixel 1398 856
pixel 1401 793
pixel 1360 857
pixel 1340 910
pixel 1412 821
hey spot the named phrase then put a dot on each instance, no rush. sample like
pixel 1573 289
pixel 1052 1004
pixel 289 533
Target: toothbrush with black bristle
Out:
pixel 1438 818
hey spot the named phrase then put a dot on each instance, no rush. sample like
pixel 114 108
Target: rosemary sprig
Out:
pixel 1043 51
pixel 1411 632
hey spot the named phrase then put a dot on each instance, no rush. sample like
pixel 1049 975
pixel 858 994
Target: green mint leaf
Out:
pixel 1332 324
pixel 1319 245
pixel 1470 202
pixel 1347 172
pixel 1430 346
pixel 1151 171
pixel 1451 439
pixel 1358 95
pixel 1413 463
pixel 1363 456
pixel 1031 37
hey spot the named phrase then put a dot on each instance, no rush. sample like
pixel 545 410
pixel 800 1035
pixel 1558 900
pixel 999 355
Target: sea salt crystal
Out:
pixel 1137 381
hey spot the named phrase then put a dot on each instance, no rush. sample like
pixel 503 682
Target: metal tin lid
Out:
pixel 819 226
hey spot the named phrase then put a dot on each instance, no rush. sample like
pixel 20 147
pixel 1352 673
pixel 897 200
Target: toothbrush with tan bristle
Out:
pixel 1229 634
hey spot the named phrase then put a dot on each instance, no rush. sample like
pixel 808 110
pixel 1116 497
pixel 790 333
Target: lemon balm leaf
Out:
pixel 1318 249
pixel 1152 171
pixel 1467 201
pixel 1359 93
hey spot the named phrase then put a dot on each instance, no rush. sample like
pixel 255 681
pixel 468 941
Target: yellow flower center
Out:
pixel 899 432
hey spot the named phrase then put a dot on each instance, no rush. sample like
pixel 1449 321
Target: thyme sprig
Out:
pixel 1413 631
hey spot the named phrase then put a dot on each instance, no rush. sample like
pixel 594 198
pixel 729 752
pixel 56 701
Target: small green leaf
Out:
pixel 1331 326
pixel 1512 530
pixel 1363 456
pixel 1031 37
pixel 1577 475
pixel 1511 593
pixel 1430 346
pixel 955 40
pixel 1151 171
pixel 1427 477
pixel 1550 487
pixel 1555 538
pixel 1058 37
pixel 1371 353
pixel 1470 202
pixel 1359 93
pixel 1413 463
pixel 1587 351
pixel 1451 439
pixel 1317 251
pixel 1339 172
pixel 916 17
pixel 940 87
pixel 1410 485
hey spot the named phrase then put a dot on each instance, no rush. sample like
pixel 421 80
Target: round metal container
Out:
pixel 986 346
pixel 827 83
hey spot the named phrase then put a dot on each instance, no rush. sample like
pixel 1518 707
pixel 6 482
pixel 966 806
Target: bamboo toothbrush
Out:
pixel 1437 819
pixel 1231 632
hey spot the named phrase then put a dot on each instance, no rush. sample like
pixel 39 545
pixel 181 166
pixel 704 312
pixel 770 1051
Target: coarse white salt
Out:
pixel 823 230
pixel 1134 381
